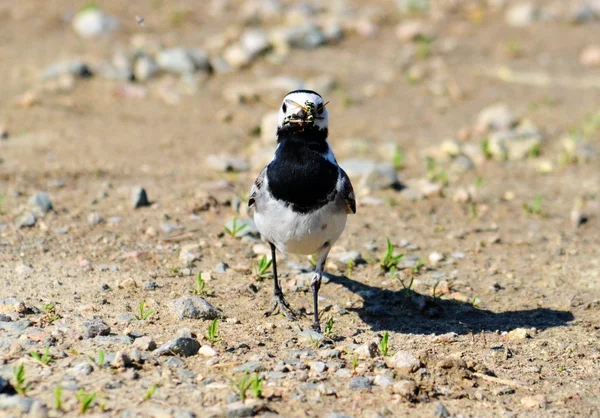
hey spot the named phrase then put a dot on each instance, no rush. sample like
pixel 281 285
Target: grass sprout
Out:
pixel 261 269
pixel 212 334
pixel 143 313
pixel 389 261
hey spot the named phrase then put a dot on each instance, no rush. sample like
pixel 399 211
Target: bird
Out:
pixel 301 199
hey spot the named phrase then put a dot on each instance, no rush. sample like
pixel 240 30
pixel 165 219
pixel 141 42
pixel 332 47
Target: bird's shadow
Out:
pixel 408 312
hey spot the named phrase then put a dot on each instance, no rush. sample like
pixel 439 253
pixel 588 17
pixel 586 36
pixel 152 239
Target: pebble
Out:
pixel 519 334
pixel 193 307
pixel 81 369
pixel 139 198
pixel 238 410
pixel 318 366
pixel 503 390
pixel 406 388
pixel 207 351
pixel 253 366
pixel 590 56
pixel 41 202
pixel 226 163
pixel 237 57
pixel 145 68
pixel 370 175
pixel 522 14
pixel 359 383
pixel 92 22
pixel 6 388
pixel 94 218
pixel 145 343
pixel 95 327
pixel 367 350
pixel 175 60
pixel 516 144
pixel 18 402
pixel 74 67
pixel 436 257
pixel 121 360
pixel 441 411
pixel 404 362
pixel 185 347
pixel 383 380
pixel 151 286
pixel 337 415
pixel 23 269
pixel 255 42
pixel 221 268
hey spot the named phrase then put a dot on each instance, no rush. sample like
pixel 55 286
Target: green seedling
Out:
pixel 312 260
pixel 100 358
pixel 383 344
pixel 241 386
pixel 423 47
pixel 200 289
pixel 58 398
pixel 435 174
pixel 409 286
pixel 212 332
pixel 143 313
pixel 19 377
pixel 44 358
pixel 434 293
pixel 479 182
pixel 476 302
pixel 473 211
pixel 150 392
pixel 535 151
pixel 350 267
pixel 2 198
pixel 398 158
pixel 235 228
pixel 85 400
pixel 256 385
pixel 535 206
pixel 389 261
pixel 261 270
pixel 485 148
pixel 354 364
pixel 314 341
pixel 329 327
pixel 418 266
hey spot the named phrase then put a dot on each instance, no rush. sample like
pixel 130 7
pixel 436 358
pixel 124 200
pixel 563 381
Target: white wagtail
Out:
pixel 301 199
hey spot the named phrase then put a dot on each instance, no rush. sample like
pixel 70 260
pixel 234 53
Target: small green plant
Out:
pixel 434 293
pixel 534 207
pixel 100 358
pixel 261 270
pixel 19 377
pixel 329 327
pixel 418 266
pixel 479 180
pixel 354 364
pixel 44 358
pixel 535 151
pixel 485 148
pixel 85 400
pixel 58 398
pixel 2 198
pixel 150 392
pixel 390 261
pixel 314 341
pixel 410 284
pixel 475 302
pixel 256 385
pixel 200 289
pixel 350 267
pixel 435 174
pixel 143 313
pixel 235 228
pixel 383 344
pixel 312 260
pixel 242 385
pixel 473 211
pixel 212 332
pixel 423 47
pixel 398 158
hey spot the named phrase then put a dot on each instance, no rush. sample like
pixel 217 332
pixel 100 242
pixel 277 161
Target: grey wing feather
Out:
pixel 258 184
pixel 347 193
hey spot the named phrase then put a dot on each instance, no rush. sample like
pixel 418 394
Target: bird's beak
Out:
pixel 305 115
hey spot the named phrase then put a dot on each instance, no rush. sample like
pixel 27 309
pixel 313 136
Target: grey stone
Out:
pixel 18 402
pixel 183 413
pixel 404 362
pixel 170 228
pixel 184 347
pixel 496 117
pixel 41 202
pixel 27 220
pixel 193 307
pixel 516 144
pixel 255 42
pixel 174 362
pixel 503 390
pixel 16 327
pixel 175 60
pixel 522 14
pixel 369 174
pixel 238 410
pixel 6 388
pixel 383 380
pixel 94 218
pixel 92 22
pixel 318 366
pixel 139 198
pixel 150 286
pixel 75 67
pixel 95 327
pixel 441 411
pixel 81 369
pixel 200 59
pixel 221 268
pixel 307 36
pixel 144 68
pixel 359 383
pixel 253 366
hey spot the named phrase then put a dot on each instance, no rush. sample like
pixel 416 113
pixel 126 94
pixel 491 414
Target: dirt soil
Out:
pixel 504 268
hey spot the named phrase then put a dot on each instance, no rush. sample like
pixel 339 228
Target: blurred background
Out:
pixel 132 131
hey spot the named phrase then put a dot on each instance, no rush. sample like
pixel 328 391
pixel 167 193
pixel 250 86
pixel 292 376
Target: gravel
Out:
pixel 359 383
pixel 139 198
pixel 183 346
pixel 95 327
pixel 193 307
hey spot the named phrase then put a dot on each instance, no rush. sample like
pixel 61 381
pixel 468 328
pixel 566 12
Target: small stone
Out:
pixel 503 390
pixel 404 362
pixel 253 366
pixel 370 175
pixel 121 360
pixel 406 388
pixel 94 327
pixel 590 56
pixel 18 402
pixel 41 202
pixel 238 410
pixel 237 57
pixel 94 218
pixel 193 307
pixel 221 268
pixel 517 144
pixel 367 351
pixel 23 269
pixel 145 343
pixel 81 369
pixel 534 402
pixel 519 334
pixel 74 68
pixel 139 198
pixel 207 351
pixel 495 118
pixel 175 60
pixel 318 366
pixel 359 383
pixel 441 411
pixel 337 415
pixel 522 14
pixel 145 68
pixel 185 347
pixel 226 163
pixel 383 380
pixel 255 42
pixel 92 21
pixel 6 388
pixel 435 258
pixel 151 286
pixel 128 283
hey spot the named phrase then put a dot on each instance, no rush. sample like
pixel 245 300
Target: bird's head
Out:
pixel 302 110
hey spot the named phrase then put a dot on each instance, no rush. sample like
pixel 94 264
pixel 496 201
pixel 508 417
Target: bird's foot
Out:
pixel 279 303
pixel 317 327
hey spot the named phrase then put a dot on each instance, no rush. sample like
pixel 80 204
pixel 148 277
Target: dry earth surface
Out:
pixel 486 111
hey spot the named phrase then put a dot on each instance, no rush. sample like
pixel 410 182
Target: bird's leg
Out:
pixel 316 284
pixel 278 299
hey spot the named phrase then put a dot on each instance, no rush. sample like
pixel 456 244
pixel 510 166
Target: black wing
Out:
pixel 347 193
pixel 258 183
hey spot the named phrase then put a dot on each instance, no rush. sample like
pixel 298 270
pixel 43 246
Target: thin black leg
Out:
pixel 276 289
pixel 316 285
pixel 279 301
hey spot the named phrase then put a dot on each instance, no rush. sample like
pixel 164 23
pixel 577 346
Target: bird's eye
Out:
pixel 320 109
pixel 284 108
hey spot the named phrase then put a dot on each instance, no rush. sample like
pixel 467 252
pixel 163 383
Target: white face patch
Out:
pixel 294 103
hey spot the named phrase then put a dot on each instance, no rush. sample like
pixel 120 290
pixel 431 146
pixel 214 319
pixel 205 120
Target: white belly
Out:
pixel 300 233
